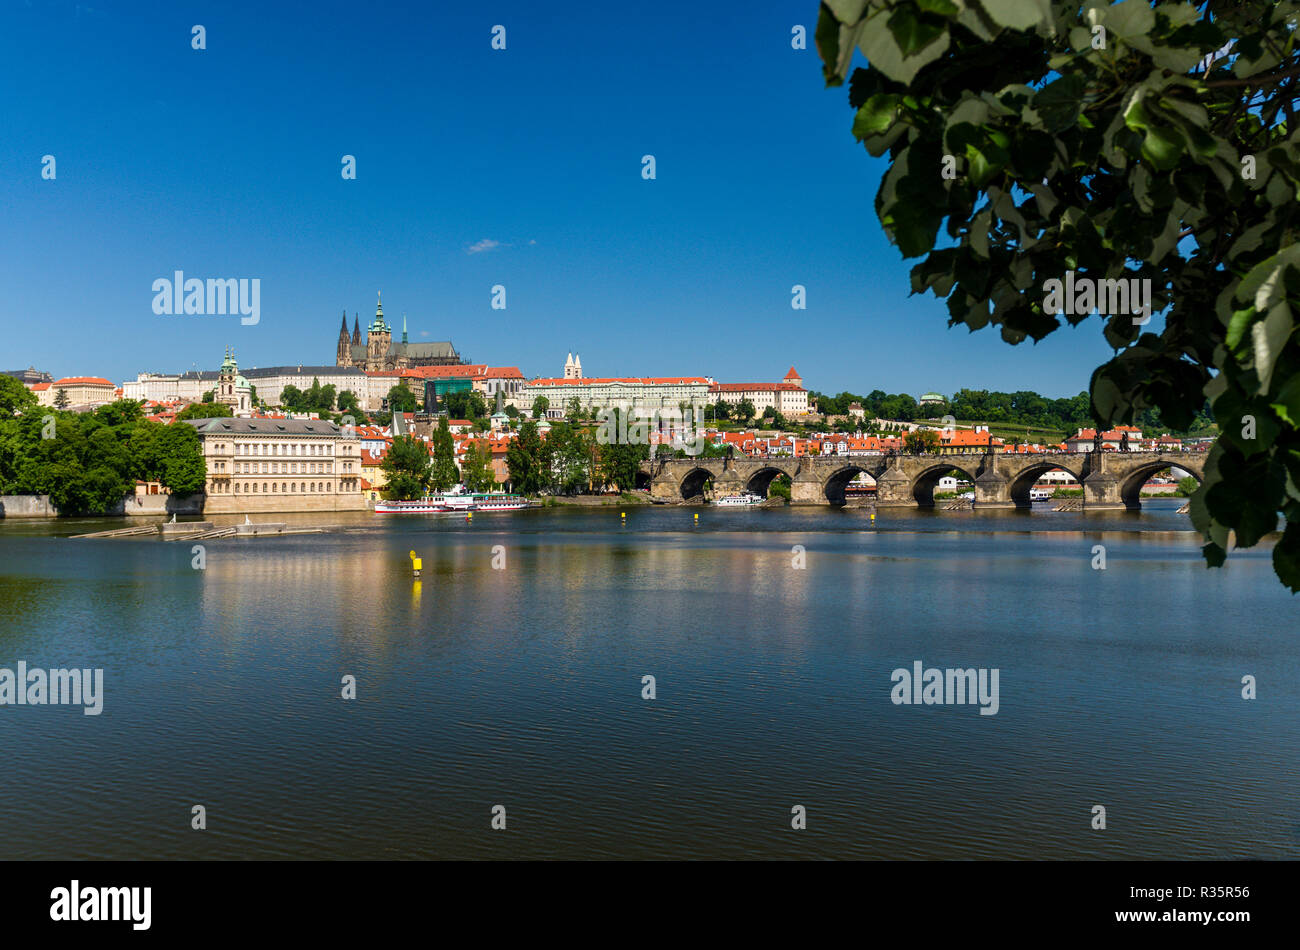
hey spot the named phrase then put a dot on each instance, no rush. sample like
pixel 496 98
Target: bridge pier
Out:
pixel 806 487
pixel 894 490
pixel 1101 492
pixel 664 487
pixel 992 490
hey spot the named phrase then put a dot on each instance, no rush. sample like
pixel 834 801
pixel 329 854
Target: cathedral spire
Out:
pixel 403 326
pixel 344 330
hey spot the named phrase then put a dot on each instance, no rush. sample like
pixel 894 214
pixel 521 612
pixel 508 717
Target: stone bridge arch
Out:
pixel 835 484
pixel 1131 482
pixel 760 477
pixel 692 483
pixel 925 480
pixel 1024 479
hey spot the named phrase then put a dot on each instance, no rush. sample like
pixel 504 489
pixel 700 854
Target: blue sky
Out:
pixel 226 163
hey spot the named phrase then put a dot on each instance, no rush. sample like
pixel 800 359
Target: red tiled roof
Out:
pixel 643 380
pixel 83 381
pixel 754 387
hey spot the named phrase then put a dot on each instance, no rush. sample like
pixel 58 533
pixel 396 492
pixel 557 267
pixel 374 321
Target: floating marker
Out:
pixel 416 564
pixel 697 517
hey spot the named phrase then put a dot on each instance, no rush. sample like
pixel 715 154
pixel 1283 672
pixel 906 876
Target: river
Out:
pixel 511 674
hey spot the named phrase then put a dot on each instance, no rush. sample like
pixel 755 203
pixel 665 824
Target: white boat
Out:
pixel 498 501
pixel 428 505
pixel 453 500
pixel 1039 494
pixel 743 500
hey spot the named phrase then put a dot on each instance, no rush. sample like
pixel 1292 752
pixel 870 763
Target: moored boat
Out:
pixel 742 500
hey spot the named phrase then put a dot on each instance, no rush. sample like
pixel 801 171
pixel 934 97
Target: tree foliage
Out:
pixel 444 473
pixel 87 462
pixel 1031 138
pixel 476 468
pixel 401 399
pixel 407 469
pixel 921 441
pixel 204 410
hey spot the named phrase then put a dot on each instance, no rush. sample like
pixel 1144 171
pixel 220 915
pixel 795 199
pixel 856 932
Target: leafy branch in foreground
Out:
pixel 1149 142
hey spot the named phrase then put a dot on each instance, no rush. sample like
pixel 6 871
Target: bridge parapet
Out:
pixel 1109 480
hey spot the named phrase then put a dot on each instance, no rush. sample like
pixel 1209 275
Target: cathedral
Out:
pixel 377 353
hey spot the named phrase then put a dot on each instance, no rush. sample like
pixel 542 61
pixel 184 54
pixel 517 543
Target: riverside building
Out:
pixel 264 464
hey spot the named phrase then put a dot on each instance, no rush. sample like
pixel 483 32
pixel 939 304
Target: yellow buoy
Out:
pixel 417 564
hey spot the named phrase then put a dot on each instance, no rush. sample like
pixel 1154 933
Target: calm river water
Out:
pixel 522 687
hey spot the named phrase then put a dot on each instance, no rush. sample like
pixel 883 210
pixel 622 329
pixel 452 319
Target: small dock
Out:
pixel 1070 504
pixel 206 531
pixel 121 532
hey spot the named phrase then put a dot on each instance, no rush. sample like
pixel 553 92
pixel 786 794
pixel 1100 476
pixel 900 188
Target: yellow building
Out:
pixel 270 464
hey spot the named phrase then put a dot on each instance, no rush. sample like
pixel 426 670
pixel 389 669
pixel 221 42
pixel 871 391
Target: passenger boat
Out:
pixel 1039 494
pixel 428 505
pixel 498 501
pixel 453 501
pixel 743 500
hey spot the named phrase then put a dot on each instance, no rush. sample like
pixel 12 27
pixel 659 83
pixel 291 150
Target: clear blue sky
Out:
pixel 226 163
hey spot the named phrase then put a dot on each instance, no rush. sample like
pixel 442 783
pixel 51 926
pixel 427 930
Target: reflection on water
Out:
pixel 522 687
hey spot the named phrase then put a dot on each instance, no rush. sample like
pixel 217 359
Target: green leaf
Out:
pixel 876 115
pixel 1058 103
pixel 914 33
pixel 1286 557
pixel 884 53
pixel 1269 336
pixel 1288 402
pixel 1130 19
pixel 1017 14
pixel 1163 147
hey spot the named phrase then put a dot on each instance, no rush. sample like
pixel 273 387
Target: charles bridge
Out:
pixel 1110 480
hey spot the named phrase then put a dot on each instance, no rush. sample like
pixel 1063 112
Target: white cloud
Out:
pixel 486 244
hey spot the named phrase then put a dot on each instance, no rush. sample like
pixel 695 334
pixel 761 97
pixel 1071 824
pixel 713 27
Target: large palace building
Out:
pixel 379 354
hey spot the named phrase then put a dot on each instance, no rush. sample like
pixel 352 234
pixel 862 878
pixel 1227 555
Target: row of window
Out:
pixel 285 488
pixel 280 468
pixel 281 448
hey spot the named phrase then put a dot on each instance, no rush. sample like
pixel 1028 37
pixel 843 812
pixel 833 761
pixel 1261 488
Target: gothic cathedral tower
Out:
pixel 378 339
pixel 343 357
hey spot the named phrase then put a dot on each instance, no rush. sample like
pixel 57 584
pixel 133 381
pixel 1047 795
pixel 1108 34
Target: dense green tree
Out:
pixel 464 405
pixel 476 468
pixel 620 461
pixel 1058 139
pixel 349 406
pixel 204 410
pixel 568 455
pixel 401 399
pixel 921 441
pixel 527 460
pixel 87 462
pixel 444 473
pixel 15 398
pixel 540 405
pixel 407 469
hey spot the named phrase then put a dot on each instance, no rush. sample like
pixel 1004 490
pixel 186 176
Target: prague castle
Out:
pixel 379 354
